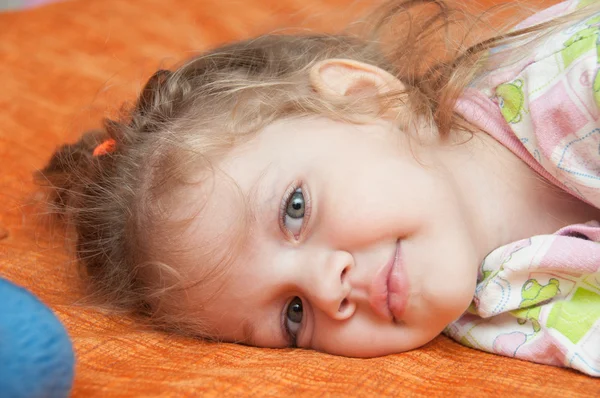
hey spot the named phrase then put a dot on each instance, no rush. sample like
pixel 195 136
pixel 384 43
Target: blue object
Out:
pixel 36 354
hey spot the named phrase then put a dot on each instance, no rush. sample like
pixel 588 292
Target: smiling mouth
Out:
pixel 389 289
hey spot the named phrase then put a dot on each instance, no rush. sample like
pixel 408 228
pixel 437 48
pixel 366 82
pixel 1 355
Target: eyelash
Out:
pixel 283 206
pixel 292 341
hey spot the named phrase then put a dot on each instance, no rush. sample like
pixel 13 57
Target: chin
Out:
pixel 444 306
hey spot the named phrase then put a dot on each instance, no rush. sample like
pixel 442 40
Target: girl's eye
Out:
pixel 295 206
pixel 293 318
pixel 294 209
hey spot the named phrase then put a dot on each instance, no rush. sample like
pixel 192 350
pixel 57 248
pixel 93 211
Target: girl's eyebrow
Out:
pixel 253 197
pixel 248 332
pixel 259 183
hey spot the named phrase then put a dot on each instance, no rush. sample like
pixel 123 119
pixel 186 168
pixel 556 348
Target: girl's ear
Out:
pixel 335 78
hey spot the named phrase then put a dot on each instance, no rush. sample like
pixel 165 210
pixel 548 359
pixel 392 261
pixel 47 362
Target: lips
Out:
pixel 389 289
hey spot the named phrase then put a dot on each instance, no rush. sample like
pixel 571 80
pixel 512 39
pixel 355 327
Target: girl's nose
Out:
pixel 331 287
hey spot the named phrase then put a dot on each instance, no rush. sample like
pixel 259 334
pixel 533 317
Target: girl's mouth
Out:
pixel 389 290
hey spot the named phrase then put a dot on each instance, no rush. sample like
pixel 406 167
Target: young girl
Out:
pixel 339 194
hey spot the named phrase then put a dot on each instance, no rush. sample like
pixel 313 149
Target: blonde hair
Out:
pixel 187 118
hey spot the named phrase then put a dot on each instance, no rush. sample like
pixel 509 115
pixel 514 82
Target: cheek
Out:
pixel 376 196
pixel 442 267
pixel 364 337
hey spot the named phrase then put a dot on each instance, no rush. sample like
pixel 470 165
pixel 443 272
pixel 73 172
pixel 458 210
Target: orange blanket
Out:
pixel 63 67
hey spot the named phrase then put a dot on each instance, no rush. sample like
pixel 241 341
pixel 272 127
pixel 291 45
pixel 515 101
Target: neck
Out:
pixel 504 199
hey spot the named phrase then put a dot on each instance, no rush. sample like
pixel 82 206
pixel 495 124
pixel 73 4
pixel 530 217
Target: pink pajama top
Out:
pixel 538 299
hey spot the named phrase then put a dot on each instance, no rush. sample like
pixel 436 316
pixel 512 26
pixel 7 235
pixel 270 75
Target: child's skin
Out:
pixel 308 275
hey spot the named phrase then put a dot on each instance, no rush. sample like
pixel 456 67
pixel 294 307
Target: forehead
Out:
pixel 217 211
pixel 245 186
pixel 224 239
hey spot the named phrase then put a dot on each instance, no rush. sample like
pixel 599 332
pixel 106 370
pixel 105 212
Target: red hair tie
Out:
pixel 105 147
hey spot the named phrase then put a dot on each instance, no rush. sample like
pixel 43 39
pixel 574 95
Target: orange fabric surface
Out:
pixel 63 67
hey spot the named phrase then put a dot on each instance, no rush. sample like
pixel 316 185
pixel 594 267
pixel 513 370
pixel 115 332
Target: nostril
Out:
pixel 343 275
pixel 343 305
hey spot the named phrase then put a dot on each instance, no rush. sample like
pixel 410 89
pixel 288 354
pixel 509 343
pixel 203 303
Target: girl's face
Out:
pixel 349 246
